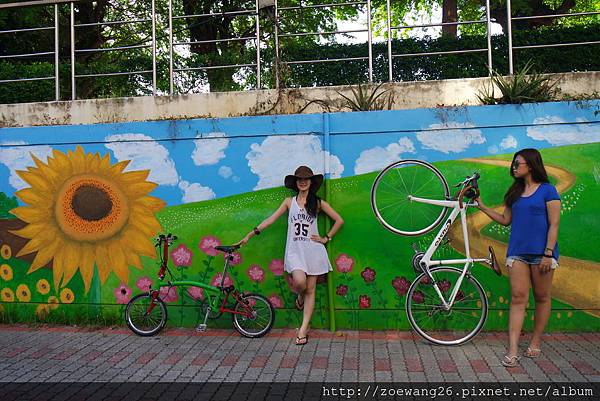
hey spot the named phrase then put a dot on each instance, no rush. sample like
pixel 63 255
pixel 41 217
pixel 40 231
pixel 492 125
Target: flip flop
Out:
pixel 302 340
pixel 510 361
pixel 532 352
pixel 299 305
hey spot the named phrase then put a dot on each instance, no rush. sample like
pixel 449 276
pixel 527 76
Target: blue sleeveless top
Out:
pixel 529 232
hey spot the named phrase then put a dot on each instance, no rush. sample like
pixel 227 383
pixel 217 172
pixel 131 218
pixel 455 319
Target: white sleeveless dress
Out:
pixel 301 252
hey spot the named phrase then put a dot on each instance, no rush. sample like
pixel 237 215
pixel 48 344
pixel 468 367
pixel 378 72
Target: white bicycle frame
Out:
pixel 426 261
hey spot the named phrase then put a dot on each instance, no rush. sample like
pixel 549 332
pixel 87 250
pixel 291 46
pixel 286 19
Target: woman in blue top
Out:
pixel 532 205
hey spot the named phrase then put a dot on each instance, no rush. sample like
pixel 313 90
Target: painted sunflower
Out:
pixel 82 211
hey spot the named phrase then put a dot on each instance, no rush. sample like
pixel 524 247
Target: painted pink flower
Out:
pixel 208 244
pixel 144 284
pixel 236 259
pixel 196 293
pixel 256 274
pixel 344 263
pixel 276 301
pixel 276 267
pixel 341 290
pixel 122 294
pixel 368 274
pixel 418 297
pixel 168 294
pixel 401 285
pixel 181 256
pixel 216 281
pixel 364 302
pixel 444 285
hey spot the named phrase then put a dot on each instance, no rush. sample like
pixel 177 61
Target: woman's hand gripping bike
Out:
pixel 445 305
pixel 252 314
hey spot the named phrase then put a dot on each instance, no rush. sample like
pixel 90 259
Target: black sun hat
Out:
pixel 304 172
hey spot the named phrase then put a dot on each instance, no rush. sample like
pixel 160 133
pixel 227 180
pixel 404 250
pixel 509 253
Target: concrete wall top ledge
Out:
pixel 407 95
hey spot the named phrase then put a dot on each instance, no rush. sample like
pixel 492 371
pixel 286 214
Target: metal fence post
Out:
pixel 73 91
pixel 509 33
pixel 56 56
pixel 154 47
pixel 257 46
pixel 389 41
pixel 171 47
pixel 489 35
pixel 370 40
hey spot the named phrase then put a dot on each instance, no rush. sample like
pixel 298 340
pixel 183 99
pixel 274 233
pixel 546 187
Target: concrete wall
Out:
pixel 406 95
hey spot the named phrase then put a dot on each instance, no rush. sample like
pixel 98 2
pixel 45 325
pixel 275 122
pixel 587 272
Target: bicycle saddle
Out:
pixel 227 248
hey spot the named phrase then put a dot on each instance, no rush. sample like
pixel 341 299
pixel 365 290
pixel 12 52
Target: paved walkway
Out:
pixel 55 354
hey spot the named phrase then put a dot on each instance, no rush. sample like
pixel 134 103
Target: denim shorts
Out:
pixel 528 259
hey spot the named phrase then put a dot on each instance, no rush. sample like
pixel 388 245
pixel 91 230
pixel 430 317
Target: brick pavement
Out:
pixel 57 354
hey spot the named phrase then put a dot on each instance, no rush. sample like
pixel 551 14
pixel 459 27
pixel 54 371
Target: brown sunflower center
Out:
pixel 91 203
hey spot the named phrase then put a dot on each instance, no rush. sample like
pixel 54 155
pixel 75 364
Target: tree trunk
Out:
pixel 450 14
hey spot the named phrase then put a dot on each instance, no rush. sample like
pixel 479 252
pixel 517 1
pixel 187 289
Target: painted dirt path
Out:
pixel 576 281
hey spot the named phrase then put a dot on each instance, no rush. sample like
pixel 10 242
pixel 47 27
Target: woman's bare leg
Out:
pixel 309 305
pixel 519 284
pixel 542 286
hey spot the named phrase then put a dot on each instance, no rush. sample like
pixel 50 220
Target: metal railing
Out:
pixel 511 47
pixel 252 41
pixel 391 28
pixel 55 52
pixel 75 51
pixel 368 29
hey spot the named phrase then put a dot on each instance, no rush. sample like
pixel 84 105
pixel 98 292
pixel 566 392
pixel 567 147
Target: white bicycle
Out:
pixel 445 304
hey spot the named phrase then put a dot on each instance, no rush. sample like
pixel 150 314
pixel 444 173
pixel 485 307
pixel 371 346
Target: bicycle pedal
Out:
pixel 201 328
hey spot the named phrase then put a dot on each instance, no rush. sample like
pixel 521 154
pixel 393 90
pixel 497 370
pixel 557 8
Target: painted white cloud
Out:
pixel 376 158
pixel 145 154
pixel 450 137
pixel 564 134
pixel 195 192
pixel 19 158
pixel 210 148
pixel 509 142
pixel 278 156
pixel 225 171
pixel 493 149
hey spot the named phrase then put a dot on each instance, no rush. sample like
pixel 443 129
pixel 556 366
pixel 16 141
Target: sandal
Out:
pixel 532 352
pixel 302 340
pixel 299 305
pixel 510 361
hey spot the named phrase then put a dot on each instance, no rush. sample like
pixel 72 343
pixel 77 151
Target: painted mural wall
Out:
pixel 80 206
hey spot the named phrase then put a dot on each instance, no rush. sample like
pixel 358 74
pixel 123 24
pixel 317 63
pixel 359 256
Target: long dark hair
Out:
pixel 312 200
pixel 533 158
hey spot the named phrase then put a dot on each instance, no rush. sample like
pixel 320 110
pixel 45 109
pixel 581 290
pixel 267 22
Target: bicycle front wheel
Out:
pixel 261 319
pixel 432 321
pixel 393 186
pixel 140 321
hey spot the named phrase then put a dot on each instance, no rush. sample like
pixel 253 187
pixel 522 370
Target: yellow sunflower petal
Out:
pixel 35 180
pixel 45 255
pixel 60 163
pixel 86 266
pixel 57 267
pixel 138 242
pixel 134 260
pixel 78 160
pixel 132 177
pixel 94 162
pixel 118 260
pixel 32 214
pixel 71 252
pixel 102 261
pixel 31 196
pixel 104 165
pixel 117 168
pixel 30 230
pixel 152 203
pixel 33 245
pixel 139 189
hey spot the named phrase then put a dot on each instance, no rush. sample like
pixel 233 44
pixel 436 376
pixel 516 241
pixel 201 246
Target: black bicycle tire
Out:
pixel 160 304
pixel 238 327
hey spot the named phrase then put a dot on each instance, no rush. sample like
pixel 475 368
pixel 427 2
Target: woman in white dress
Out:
pixel 305 254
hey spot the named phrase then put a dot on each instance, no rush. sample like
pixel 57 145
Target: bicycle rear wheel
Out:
pixel 262 319
pixel 390 191
pixel 431 321
pixel 142 323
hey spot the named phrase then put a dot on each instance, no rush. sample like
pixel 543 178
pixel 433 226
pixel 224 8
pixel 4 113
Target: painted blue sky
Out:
pixel 194 160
